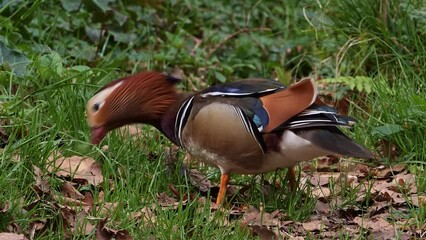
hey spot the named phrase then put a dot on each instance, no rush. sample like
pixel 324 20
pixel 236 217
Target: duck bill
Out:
pixel 98 134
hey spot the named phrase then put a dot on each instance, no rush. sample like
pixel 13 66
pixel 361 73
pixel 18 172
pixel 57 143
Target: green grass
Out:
pixel 53 60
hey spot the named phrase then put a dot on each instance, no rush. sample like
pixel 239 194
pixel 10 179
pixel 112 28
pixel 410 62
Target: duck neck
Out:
pixel 166 124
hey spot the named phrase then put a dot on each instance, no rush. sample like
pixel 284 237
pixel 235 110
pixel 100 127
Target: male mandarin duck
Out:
pixel 250 126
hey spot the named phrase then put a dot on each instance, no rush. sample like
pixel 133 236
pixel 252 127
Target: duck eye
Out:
pixel 95 107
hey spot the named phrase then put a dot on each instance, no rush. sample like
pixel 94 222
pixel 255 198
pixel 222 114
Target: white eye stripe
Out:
pixel 99 106
pixel 100 97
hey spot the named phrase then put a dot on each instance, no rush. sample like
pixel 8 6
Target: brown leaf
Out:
pixel 329 235
pixel 383 196
pixel 88 199
pixel 375 224
pixel 68 190
pixel 397 198
pixel 78 168
pixel 36 226
pixel 322 208
pixel 14 227
pixel 12 236
pixel 323 179
pixel 145 215
pixel 4 136
pixel 101 196
pixel 325 164
pixel 397 168
pixel 166 201
pixel 199 180
pixel 263 232
pixel 131 130
pixel 105 233
pixel 363 170
pixel 380 185
pixel 381 228
pixel 107 208
pixel 379 207
pixel 404 183
pixel 262 223
pixel 321 192
pixel 418 200
pixel 314 225
pixel 41 185
pixel 4 207
pixel 381 172
pixel 255 217
pixel 81 225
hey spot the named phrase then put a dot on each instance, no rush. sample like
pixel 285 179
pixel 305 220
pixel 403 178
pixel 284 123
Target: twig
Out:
pixel 233 35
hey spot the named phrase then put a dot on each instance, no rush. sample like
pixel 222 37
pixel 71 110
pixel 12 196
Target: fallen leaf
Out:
pixel 85 169
pixel 397 168
pixel 12 236
pixel 68 190
pixel 4 207
pixel 381 172
pixel 404 183
pixel 88 199
pixel 133 131
pixel 4 136
pixel 378 223
pixel 328 235
pixel 315 225
pixel 381 228
pixel 145 215
pixel 363 170
pixel 397 198
pixel 418 200
pixel 255 217
pixel 324 164
pixel 107 208
pixel 323 179
pixel 13 227
pixel 265 225
pixel 199 180
pixel 380 185
pixel 81 225
pixel 36 226
pixel 16 158
pixel 105 233
pixel 379 207
pixel 41 185
pixel 263 233
pixel 321 192
pixel 383 196
pixel 322 208
pixel 166 201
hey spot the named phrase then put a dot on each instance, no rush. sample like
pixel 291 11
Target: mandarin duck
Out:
pixel 250 126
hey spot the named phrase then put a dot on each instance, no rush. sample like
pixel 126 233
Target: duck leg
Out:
pixel 224 179
pixel 291 175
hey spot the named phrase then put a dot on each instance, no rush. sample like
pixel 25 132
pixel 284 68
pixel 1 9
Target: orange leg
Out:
pixel 224 178
pixel 291 175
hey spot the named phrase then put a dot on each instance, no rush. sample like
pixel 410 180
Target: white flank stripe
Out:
pixel 180 118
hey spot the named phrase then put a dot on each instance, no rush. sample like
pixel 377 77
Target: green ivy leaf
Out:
pixel 71 5
pixel 14 60
pixel 386 130
pixel 50 64
pixel 102 4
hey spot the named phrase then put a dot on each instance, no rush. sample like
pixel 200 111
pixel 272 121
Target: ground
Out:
pixel 367 58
